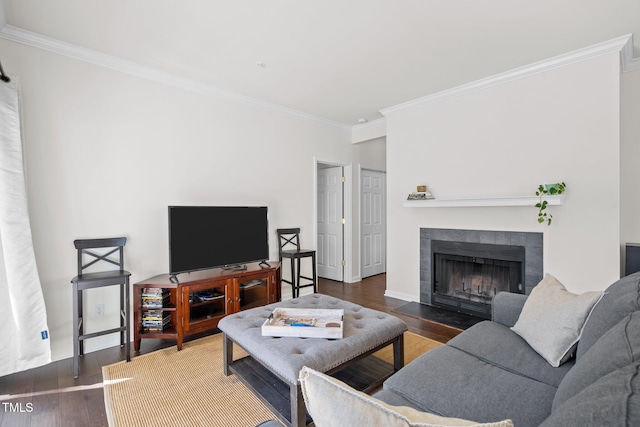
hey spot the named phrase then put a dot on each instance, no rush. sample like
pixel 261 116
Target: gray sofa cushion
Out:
pixel 619 300
pixel 331 402
pixel 394 399
pixel 452 383
pixel 618 347
pixel 498 345
pixel 613 400
pixel 506 307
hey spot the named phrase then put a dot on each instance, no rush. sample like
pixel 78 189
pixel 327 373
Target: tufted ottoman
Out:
pixel 272 368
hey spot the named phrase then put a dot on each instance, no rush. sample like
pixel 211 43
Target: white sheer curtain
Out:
pixel 24 334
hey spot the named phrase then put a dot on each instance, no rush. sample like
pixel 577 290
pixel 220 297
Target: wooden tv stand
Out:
pixel 201 298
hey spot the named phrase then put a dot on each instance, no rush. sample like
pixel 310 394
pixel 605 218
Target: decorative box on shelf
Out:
pixel 304 323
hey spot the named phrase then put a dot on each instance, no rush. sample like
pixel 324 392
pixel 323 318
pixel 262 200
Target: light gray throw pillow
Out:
pixel 552 319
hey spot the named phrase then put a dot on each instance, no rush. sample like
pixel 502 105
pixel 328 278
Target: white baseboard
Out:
pixel 354 279
pixel 402 296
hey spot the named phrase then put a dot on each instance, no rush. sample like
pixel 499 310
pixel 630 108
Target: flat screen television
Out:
pixel 202 237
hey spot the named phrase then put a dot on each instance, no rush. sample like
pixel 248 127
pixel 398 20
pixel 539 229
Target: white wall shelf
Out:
pixel 461 202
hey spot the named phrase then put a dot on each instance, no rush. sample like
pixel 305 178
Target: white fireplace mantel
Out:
pixel 460 202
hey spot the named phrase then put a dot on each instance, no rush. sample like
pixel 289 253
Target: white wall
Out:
pixel 106 154
pixel 369 131
pixel 371 154
pixel 559 125
pixel 630 158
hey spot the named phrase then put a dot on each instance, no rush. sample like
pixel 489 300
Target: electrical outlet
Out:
pixel 99 310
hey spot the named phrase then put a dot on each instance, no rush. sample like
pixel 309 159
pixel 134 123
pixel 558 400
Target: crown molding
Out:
pixel 623 44
pixel 629 63
pixel 619 44
pixel 372 123
pixel 19 35
pixel 368 131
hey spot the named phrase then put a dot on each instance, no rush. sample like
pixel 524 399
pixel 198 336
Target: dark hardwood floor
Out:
pixel 370 293
pixel 50 396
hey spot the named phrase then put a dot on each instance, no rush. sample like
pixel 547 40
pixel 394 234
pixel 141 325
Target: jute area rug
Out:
pixel 188 388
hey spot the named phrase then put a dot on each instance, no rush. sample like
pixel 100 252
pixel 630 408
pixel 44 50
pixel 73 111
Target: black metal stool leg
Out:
pixel 80 320
pixel 313 275
pixel 298 277
pixel 122 320
pixel 76 330
pixel 127 320
pixel 293 278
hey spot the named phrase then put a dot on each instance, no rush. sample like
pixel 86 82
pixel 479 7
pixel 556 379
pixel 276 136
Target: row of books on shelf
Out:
pixel 155 320
pixel 155 298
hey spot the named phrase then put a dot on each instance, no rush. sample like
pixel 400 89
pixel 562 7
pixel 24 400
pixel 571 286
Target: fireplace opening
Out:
pixel 466 276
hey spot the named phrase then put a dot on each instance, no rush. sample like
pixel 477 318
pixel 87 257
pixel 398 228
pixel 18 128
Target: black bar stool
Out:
pixel 289 246
pixel 95 280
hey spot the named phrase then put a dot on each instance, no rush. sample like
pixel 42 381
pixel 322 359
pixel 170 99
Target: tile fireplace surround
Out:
pixel 532 243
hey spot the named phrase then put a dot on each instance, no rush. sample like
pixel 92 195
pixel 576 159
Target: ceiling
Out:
pixel 340 60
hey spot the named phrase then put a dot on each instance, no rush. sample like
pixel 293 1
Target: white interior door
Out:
pixel 373 222
pixel 330 226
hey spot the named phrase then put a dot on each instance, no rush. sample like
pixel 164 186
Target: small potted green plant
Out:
pixel 543 190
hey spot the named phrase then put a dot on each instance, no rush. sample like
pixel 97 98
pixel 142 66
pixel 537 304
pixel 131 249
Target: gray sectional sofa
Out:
pixel 489 373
